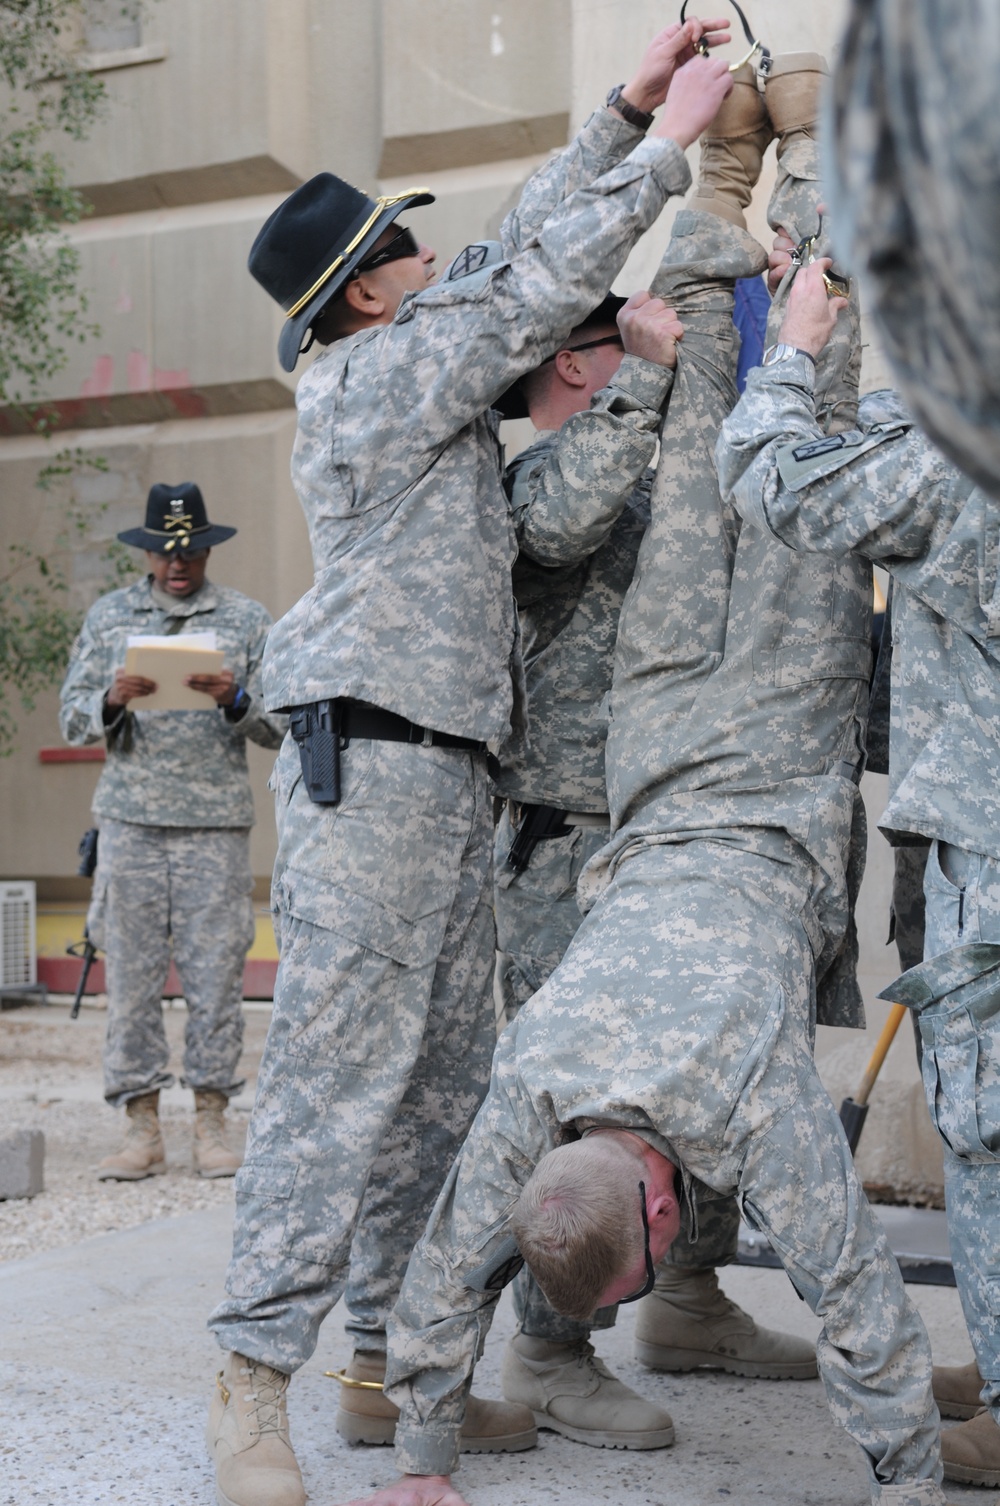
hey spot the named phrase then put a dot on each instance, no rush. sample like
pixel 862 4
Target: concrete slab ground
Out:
pixel 108 1367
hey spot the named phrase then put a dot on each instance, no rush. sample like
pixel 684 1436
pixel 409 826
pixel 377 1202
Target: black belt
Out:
pixel 323 728
pixel 358 719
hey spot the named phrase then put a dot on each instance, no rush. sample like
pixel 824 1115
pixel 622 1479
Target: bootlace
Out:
pixel 268 1389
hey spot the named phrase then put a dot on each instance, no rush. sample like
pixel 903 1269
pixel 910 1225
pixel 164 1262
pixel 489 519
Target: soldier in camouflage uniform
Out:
pixel 889 495
pixel 174 808
pixel 379 1049
pixel 580 499
pixel 683 1012
pixel 913 150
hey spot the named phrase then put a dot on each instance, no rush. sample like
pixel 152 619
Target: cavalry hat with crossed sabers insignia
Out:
pixel 311 244
pixel 176 519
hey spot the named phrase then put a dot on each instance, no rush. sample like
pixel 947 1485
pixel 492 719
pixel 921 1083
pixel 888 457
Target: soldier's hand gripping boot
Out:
pixel 732 150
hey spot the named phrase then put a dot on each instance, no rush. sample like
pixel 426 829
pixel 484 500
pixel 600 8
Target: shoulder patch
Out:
pixel 818 447
pixel 472 267
pixel 499 1270
pixel 802 463
pixel 469 260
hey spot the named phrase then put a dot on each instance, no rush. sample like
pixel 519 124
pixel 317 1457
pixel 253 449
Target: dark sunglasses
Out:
pixel 587 345
pixel 404 243
pixel 650 1281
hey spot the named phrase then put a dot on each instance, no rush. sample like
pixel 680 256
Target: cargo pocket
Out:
pixel 342 988
pixel 961 1069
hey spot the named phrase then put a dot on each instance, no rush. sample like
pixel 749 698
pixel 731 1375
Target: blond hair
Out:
pixel 577 1221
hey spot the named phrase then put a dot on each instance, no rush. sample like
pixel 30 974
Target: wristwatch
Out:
pixel 240 702
pixel 782 351
pixel 639 118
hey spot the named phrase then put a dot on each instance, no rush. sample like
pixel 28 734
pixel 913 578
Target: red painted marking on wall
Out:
pixel 101 381
pixel 71 755
pixel 165 380
pixel 137 372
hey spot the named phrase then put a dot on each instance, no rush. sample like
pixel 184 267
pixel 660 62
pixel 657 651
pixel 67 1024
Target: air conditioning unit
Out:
pixel 18 962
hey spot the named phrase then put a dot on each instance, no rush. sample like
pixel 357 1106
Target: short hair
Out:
pixel 331 323
pixel 577 1221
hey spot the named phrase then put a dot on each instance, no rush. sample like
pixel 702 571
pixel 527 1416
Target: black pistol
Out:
pixel 538 822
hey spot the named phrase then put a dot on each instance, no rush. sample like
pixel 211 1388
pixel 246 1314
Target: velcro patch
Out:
pixel 469 260
pixel 501 1268
pixel 800 464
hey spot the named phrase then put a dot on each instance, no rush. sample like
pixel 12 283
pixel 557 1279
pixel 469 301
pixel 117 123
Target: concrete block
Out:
pixel 22 1162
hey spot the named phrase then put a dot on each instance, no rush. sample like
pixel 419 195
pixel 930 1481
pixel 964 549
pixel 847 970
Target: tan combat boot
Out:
pixel 572 1392
pixel 971 1452
pixel 792 94
pixel 687 1322
pixel 142 1154
pixel 212 1156
pixel 247 1437
pixel 956 1390
pixel 365 1415
pixel 732 150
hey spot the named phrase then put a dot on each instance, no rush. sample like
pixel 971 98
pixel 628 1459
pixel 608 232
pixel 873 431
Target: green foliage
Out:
pixel 38 616
pixel 44 92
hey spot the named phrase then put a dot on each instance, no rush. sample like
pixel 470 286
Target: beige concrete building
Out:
pixel 217 108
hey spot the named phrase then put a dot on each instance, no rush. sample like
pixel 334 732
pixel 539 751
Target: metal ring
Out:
pixel 351 1383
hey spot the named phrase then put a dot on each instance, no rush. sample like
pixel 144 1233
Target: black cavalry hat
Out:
pixel 512 404
pixel 176 519
pixel 311 244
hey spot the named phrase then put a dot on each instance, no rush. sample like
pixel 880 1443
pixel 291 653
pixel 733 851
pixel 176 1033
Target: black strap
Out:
pixel 764 66
pixel 743 20
pixel 359 719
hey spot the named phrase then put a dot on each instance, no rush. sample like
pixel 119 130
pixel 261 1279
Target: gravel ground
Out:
pixel 50 1079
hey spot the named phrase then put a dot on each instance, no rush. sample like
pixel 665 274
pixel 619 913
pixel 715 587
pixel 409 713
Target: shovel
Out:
pixel 854 1111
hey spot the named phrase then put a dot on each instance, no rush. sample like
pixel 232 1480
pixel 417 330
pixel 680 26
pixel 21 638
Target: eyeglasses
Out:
pixel 188 554
pixel 650 1281
pixel 404 243
pixel 587 345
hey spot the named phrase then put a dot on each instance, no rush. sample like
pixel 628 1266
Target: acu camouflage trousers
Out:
pixel 162 890
pixel 955 997
pixel 380 1044
pixel 537 916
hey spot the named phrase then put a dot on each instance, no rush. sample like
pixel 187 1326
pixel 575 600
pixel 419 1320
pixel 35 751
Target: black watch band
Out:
pixel 639 118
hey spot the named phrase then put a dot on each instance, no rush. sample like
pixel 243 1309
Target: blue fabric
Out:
pixel 751 308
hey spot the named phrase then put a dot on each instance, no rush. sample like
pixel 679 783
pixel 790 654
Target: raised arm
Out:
pixel 883 491
pixel 567 492
pixel 607 136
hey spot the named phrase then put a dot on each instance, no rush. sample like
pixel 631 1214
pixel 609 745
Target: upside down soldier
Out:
pixel 580 497
pixel 674 1041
